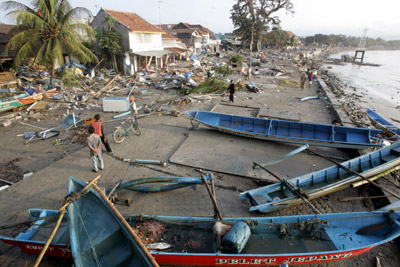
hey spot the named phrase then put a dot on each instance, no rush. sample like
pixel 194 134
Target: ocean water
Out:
pixel 382 81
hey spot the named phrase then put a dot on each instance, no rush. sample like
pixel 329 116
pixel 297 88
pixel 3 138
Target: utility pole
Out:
pixel 159 11
pixel 252 39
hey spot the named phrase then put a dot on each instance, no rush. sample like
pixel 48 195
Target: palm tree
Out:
pixel 46 31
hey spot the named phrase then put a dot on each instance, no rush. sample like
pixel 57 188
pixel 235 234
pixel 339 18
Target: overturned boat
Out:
pixel 253 241
pixel 289 131
pixel 316 184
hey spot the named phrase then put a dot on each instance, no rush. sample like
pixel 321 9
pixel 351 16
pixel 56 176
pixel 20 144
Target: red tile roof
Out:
pixel 5 28
pixel 290 34
pixel 168 36
pixel 183 31
pixel 133 21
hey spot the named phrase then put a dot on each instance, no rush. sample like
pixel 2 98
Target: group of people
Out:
pixel 306 75
pixel 97 136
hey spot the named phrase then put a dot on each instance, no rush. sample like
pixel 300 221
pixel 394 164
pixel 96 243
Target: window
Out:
pixel 144 38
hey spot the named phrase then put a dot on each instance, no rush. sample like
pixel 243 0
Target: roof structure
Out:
pixel 290 34
pixel 168 36
pixel 133 21
pixel 5 28
pixel 185 27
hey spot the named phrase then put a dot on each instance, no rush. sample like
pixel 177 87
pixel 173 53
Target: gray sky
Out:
pixel 347 17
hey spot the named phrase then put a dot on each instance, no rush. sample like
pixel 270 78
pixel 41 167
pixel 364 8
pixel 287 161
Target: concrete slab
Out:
pixel 221 152
pixel 280 115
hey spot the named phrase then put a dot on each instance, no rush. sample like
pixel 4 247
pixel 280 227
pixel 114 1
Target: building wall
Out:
pixel 169 43
pixel 139 41
pixel 99 22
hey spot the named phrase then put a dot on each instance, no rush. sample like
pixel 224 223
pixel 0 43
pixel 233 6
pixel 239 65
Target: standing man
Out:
pixel 231 90
pixel 99 130
pixel 303 79
pixel 133 109
pixel 94 144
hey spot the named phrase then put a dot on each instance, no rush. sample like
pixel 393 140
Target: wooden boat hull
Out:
pixel 288 131
pixel 379 122
pixel 316 184
pixel 340 227
pixel 97 236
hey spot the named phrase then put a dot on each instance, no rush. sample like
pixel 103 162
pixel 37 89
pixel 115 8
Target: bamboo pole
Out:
pixel 344 199
pixel 127 226
pixel 295 190
pixel 39 259
pixel 359 183
pixel 219 214
pixel 62 210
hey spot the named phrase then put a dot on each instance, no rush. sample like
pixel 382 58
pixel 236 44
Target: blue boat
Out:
pixel 269 241
pixel 316 184
pixel 289 131
pixel 98 237
pixel 383 124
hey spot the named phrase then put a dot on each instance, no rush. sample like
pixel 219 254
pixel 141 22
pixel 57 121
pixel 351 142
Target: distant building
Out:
pixel 4 38
pixel 293 40
pixel 141 41
pixel 173 44
pixel 196 37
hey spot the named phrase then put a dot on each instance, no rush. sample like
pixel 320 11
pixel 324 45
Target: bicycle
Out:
pixel 122 131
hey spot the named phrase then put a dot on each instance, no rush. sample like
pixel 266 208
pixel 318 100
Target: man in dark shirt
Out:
pixel 99 130
pixel 231 90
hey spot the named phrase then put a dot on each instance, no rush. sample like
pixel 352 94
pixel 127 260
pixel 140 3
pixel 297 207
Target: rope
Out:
pixel 90 241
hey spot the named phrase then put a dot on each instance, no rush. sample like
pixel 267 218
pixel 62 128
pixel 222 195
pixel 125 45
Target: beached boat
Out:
pixel 383 124
pixel 316 184
pixel 21 100
pixel 289 131
pixel 98 237
pixel 270 241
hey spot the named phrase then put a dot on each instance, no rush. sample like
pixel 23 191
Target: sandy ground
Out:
pixel 162 136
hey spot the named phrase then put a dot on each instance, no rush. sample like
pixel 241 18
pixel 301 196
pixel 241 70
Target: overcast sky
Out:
pixel 347 17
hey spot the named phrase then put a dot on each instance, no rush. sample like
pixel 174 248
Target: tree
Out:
pixel 109 41
pixel 47 30
pixel 253 18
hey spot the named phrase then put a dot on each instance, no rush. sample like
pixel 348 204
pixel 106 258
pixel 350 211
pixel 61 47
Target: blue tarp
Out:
pixel 75 65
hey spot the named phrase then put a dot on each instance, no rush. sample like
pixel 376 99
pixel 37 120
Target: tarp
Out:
pixel 156 53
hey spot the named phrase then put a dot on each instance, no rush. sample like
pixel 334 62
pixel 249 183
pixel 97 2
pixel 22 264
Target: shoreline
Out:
pixel 354 98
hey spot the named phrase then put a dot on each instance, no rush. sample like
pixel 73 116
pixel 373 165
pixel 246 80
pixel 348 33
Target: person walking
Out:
pixel 248 74
pixel 310 77
pixel 99 130
pixel 303 79
pixel 231 90
pixel 133 109
pixel 94 143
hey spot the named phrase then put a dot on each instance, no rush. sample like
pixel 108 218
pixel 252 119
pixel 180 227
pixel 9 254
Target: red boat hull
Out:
pixel 204 259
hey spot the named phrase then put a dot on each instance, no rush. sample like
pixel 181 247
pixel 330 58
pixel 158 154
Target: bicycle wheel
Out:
pixel 136 129
pixel 119 135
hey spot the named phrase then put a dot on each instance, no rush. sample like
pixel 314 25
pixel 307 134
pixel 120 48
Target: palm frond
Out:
pixel 27 51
